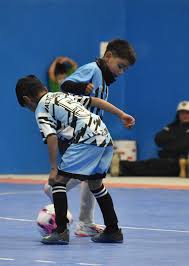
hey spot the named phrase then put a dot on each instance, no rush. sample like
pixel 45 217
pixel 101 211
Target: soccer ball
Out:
pixel 46 223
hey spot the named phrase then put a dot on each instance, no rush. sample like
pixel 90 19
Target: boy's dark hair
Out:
pixel 62 68
pixel 122 49
pixel 28 86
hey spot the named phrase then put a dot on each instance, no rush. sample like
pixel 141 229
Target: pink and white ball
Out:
pixel 46 220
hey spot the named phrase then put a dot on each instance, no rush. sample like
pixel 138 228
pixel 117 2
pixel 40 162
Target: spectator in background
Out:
pixel 173 143
pixel 60 69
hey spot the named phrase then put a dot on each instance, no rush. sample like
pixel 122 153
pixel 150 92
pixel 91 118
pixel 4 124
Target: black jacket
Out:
pixel 173 140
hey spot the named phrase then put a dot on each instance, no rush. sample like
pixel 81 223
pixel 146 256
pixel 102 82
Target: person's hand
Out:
pixel 127 120
pixel 52 175
pixel 89 88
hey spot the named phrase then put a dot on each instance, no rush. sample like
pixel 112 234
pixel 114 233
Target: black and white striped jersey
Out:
pixel 66 116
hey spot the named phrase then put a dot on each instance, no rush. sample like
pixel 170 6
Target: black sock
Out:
pixel 107 208
pixel 60 205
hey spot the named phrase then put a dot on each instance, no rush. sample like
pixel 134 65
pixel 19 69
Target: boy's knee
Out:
pixel 94 184
pixel 59 179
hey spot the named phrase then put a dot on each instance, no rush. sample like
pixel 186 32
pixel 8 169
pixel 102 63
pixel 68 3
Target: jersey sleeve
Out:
pixel 89 73
pixel 82 74
pixel 47 125
pixel 84 100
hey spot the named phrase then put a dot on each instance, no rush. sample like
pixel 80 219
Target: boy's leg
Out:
pixel 71 184
pixel 112 233
pixel 61 235
pixel 86 225
pixel 87 204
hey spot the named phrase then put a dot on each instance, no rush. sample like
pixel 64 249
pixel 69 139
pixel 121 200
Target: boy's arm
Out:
pixel 81 81
pixel 52 142
pixel 127 120
pixel 77 87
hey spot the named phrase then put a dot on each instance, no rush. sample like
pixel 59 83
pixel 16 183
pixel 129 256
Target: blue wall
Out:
pixel 159 31
pixel 33 32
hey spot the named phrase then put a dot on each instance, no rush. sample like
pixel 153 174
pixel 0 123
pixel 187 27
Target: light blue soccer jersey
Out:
pixel 91 73
pixel 66 116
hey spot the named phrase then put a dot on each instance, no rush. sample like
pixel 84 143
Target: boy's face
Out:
pixel 115 64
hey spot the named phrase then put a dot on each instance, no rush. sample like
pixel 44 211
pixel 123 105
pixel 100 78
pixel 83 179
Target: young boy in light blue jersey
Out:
pixel 93 79
pixel 61 115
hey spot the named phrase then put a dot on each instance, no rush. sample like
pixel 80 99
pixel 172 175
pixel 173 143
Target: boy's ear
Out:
pixel 27 100
pixel 108 54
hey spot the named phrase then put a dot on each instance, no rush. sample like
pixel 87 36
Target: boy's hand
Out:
pixel 52 175
pixel 127 120
pixel 89 88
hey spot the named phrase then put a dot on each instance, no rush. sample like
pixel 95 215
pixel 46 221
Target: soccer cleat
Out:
pixel 57 238
pixel 84 230
pixel 116 237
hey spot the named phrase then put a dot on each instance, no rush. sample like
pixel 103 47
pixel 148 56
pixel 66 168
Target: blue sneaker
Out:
pixel 116 237
pixel 57 238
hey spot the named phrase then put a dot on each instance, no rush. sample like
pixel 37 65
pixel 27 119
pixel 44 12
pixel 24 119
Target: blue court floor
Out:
pixel 155 224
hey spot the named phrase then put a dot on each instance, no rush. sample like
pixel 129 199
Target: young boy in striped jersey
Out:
pixel 93 79
pixel 88 157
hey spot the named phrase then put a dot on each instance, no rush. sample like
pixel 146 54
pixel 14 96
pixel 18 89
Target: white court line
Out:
pixel 46 261
pixel 152 229
pixel 155 229
pixel 6 259
pixel 123 227
pixel 19 192
pixel 15 219
pixel 90 264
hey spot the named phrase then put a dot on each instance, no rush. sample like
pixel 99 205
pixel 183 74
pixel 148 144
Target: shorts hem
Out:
pixel 81 177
